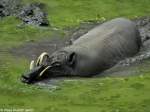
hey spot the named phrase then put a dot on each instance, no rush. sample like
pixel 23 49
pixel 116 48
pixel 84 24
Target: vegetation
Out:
pixel 130 94
pixel 64 13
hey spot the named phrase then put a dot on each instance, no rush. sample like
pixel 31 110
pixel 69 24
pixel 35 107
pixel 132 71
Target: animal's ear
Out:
pixel 71 58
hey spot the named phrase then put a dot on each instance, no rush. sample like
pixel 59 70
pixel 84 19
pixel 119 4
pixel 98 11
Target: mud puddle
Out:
pixel 33 49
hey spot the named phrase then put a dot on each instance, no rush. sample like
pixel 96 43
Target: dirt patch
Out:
pixel 31 50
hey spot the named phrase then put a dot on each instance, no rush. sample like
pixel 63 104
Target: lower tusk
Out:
pixel 44 71
pixel 40 58
pixel 32 65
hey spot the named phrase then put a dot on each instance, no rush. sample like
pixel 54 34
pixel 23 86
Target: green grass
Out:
pixel 12 33
pixel 64 13
pixel 85 95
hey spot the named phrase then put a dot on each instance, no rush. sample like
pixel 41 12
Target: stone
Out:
pixel 34 14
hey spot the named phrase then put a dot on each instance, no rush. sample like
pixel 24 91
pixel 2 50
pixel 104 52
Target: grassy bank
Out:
pixel 64 13
pixel 85 95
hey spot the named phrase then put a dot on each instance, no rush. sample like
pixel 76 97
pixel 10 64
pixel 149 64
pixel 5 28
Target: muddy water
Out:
pixel 133 66
pixel 32 49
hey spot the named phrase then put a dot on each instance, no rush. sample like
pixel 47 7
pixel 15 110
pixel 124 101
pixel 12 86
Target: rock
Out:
pixel 9 7
pixel 34 14
pixel 30 14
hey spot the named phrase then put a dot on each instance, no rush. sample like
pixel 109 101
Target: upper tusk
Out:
pixel 32 65
pixel 44 71
pixel 41 57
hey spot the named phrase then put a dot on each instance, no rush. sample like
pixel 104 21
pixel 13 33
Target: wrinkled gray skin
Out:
pixel 98 50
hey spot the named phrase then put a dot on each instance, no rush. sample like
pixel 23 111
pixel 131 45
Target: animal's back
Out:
pixel 118 34
pixel 120 25
pixel 105 45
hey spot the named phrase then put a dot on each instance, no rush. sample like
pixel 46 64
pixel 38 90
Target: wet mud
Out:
pixel 131 66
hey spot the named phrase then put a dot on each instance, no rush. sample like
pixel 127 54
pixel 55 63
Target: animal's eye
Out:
pixel 71 58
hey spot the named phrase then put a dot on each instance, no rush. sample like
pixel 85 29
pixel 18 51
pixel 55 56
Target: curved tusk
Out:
pixel 41 57
pixel 32 65
pixel 44 71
